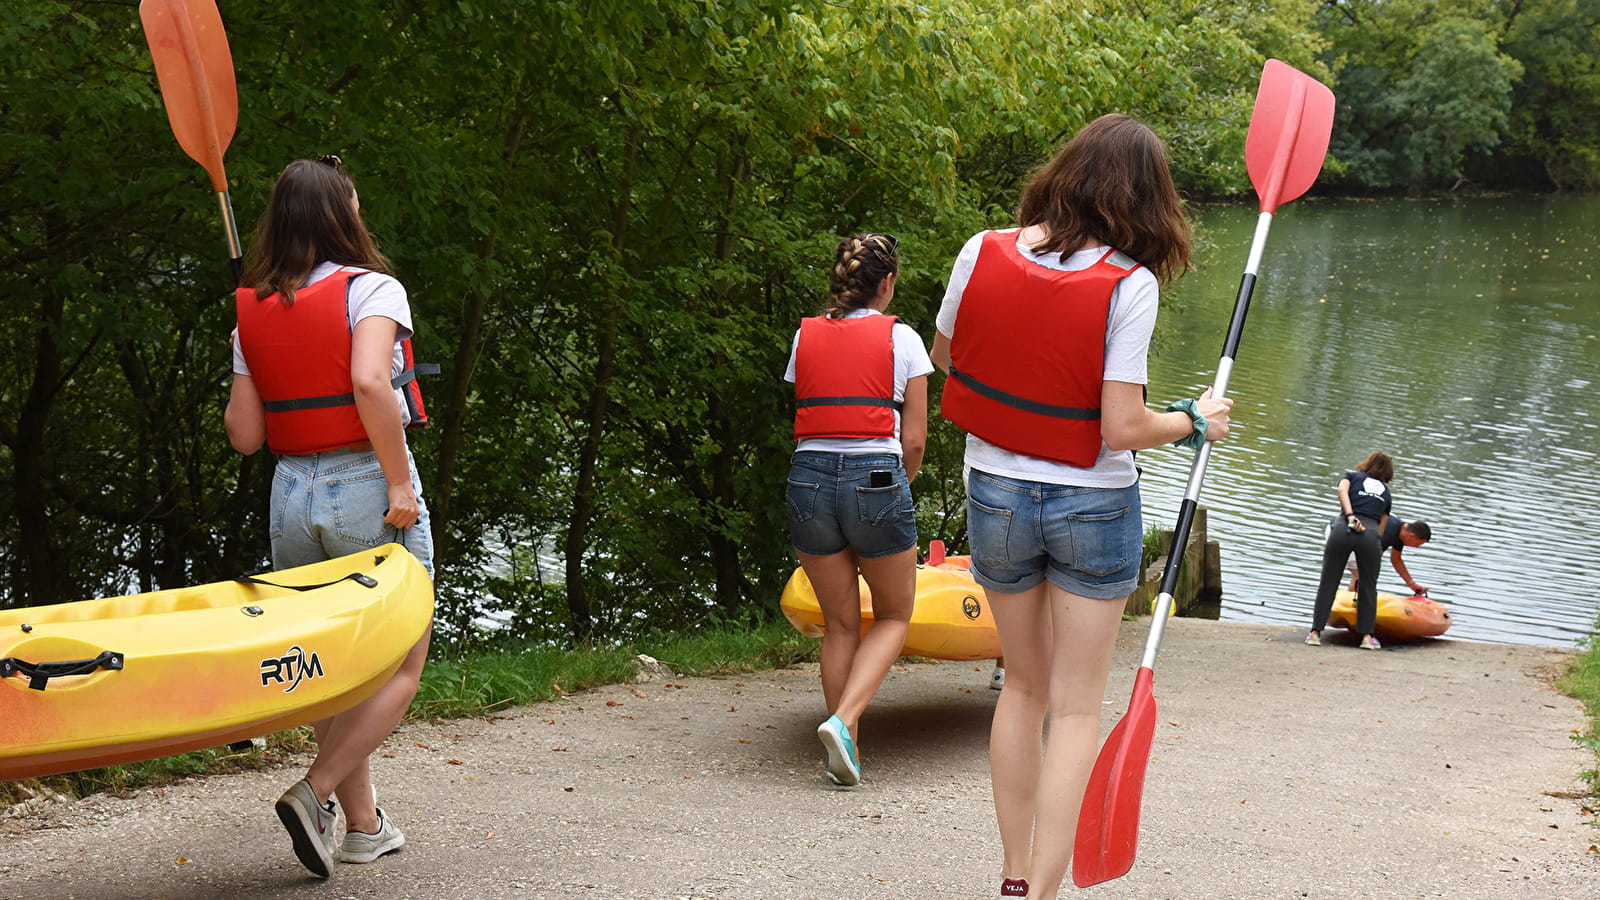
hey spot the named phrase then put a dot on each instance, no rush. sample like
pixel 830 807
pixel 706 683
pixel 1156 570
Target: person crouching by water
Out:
pixel 319 315
pixel 861 422
pixel 1045 331
pixel 1364 504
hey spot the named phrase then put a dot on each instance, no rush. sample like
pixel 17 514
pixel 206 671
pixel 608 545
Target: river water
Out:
pixel 1461 336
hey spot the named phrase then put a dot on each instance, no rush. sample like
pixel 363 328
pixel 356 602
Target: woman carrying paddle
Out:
pixel 861 423
pixel 1045 331
pixel 321 375
pixel 1364 505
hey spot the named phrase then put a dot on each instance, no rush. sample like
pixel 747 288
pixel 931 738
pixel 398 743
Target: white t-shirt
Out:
pixel 1129 324
pixel 371 294
pixel 910 360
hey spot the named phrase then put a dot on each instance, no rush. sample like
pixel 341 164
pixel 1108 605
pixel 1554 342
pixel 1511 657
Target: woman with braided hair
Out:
pixel 861 423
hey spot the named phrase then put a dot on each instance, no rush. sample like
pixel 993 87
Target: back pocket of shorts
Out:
pixel 283 485
pixel 989 533
pixel 1101 541
pixel 878 506
pixel 360 501
pixel 801 498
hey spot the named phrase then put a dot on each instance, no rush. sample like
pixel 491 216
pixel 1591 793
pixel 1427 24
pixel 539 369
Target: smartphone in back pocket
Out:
pixel 880 478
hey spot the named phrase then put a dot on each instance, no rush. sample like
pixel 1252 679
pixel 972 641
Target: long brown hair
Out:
pixel 1111 183
pixel 309 219
pixel 860 265
pixel 1379 466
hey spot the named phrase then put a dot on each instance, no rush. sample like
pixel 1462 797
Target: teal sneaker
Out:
pixel 842 765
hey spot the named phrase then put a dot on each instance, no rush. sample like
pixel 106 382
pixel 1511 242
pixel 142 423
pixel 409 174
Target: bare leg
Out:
pixel 833 578
pixel 893 580
pixel 345 741
pixel 1083 642
pixel 1016 735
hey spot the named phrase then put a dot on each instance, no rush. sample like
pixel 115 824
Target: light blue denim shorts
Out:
pixel 1085 540
pixel 332 504
pixel 833 507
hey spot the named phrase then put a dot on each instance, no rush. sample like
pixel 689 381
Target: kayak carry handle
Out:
pixel 358 577
pixel 39 674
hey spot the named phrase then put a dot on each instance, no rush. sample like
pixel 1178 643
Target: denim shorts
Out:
pixel 832 507
pixel 1086 540
pixel 332 504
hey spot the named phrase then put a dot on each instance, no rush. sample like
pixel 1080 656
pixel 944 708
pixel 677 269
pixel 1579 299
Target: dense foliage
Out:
pixel 609 216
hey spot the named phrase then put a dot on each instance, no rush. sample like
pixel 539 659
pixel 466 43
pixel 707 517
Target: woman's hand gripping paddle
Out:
pixel 195 70
pixel 1284 151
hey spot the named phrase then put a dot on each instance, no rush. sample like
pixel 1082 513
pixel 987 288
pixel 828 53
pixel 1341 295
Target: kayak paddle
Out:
pixel 1283 152
pixel 195 70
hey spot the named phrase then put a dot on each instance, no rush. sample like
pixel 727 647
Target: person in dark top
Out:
pixel 1364 502
pixel 1397 536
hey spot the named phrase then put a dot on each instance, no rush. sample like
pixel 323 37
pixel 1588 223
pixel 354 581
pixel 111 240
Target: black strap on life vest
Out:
pixel 895 405
pixel 39 674
pixel 331 400
pixel 1023 403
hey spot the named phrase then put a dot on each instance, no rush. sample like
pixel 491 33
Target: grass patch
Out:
pixel 483 683
pixel 1582 680
pixel 475 685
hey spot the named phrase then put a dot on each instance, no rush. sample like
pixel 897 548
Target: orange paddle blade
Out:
pixel 195 69
pixel 1289 133
pixel 1108 825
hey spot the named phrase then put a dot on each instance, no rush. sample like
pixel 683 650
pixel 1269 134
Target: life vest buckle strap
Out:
pixel 895 405
pixel 328 401
pixel 1023 403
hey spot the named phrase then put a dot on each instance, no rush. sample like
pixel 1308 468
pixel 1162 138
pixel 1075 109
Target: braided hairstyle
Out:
pixel 859 267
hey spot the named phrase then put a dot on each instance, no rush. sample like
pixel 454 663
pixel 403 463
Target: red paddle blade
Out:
pixel 195 69
pixel 1108 825
pixel 1289 133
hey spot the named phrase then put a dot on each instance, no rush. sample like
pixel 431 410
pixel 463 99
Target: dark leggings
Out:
pixel 1368 548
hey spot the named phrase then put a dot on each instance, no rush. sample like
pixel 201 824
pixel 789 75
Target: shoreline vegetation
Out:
pixel 483 683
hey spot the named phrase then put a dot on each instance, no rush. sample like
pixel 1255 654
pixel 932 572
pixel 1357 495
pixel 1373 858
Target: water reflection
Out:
pixel 1460 336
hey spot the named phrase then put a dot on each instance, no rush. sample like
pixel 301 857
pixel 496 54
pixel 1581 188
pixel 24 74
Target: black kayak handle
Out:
pixel 39 674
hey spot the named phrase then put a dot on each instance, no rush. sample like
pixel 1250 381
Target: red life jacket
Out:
pixel 844 378
pixel 299 358
pixel 1028 356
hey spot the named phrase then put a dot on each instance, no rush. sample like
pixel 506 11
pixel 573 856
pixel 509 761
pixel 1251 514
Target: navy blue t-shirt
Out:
pixel 1391 533
pixel 1369 497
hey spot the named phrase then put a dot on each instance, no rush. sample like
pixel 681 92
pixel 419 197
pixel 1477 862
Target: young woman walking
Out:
pixel 861 422
pixel 1045 329
pixel 321 320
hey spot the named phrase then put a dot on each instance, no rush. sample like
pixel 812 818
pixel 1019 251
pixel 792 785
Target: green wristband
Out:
pixel 1194 439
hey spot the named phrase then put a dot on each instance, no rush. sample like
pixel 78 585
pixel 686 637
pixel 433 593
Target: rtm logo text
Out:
pixel 291 668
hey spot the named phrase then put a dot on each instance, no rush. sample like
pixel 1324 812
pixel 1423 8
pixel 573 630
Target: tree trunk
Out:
pixel 453 417
pixel 725 551
pixel 583 494
pixel 42 578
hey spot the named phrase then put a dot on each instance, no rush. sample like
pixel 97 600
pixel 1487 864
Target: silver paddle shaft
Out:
pixel 1197 470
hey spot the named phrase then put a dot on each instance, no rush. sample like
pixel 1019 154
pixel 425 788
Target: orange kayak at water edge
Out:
pixel 1398 617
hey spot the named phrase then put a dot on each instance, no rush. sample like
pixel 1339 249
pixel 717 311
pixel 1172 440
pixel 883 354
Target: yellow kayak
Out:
pixel 121 679
pixel 1398 617
pixel 951 619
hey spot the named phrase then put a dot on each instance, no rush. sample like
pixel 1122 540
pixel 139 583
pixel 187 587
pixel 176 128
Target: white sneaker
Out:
pixel 360 847
pixel 310 825
pixel 998 679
